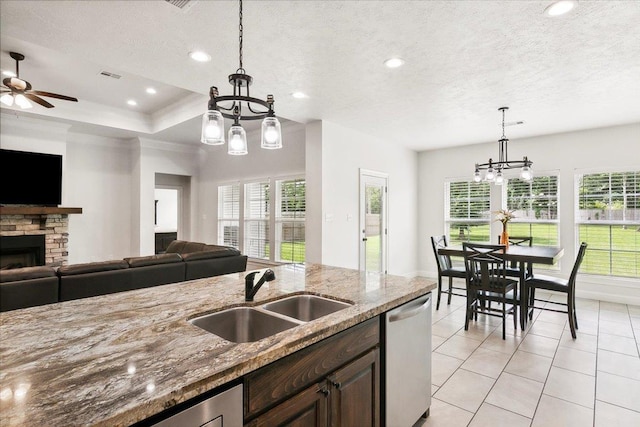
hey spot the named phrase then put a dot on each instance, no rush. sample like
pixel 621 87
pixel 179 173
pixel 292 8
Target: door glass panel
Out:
pixel 373 227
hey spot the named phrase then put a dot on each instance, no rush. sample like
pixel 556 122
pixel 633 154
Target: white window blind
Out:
pixel 467 211
pixel 229 215
pixel 256 219
pixel 290 220
pixel 535 204
pixel 608 219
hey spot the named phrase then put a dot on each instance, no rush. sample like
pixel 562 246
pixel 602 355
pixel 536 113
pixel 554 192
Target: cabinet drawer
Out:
pixel 285 377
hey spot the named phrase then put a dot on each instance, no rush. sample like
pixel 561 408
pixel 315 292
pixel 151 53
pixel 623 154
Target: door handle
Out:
pixel 405 314
pixel 364 239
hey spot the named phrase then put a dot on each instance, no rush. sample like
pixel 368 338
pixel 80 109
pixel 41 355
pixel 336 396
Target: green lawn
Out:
pixel 292 251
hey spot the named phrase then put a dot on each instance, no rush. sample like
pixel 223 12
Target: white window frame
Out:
pixel 578 221
pixel 448 220
pixel 225 220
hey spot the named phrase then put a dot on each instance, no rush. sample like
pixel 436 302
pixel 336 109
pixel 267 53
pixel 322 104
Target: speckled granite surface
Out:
pixel 117 359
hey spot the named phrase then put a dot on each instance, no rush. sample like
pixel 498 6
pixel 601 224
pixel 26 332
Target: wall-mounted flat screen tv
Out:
pixel 30 178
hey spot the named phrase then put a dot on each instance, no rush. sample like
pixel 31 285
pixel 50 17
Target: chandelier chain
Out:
pixel 240 69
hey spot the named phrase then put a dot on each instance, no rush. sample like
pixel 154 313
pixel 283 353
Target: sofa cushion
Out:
pixel 184 247
pixel 92 267
pixel 207 254
pixel 25 273
pixel 143 261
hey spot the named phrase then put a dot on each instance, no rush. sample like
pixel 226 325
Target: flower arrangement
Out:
pixel 504 216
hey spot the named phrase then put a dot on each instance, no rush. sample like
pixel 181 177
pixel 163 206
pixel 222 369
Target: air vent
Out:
pixel 108 74
pixel 181 4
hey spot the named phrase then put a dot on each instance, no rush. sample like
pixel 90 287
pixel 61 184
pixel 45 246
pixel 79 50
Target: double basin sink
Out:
pixel 249 324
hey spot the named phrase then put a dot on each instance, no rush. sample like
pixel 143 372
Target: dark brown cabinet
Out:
pixel 335 382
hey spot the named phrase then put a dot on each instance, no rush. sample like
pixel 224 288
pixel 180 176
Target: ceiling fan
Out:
pixel 19 91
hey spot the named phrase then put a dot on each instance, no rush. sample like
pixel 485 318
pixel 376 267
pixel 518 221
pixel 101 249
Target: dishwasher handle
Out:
pixel 410 312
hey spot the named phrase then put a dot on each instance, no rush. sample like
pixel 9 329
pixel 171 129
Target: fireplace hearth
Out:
pixel 22 251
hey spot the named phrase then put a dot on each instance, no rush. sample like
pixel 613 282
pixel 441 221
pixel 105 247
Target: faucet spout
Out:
pixel 252 288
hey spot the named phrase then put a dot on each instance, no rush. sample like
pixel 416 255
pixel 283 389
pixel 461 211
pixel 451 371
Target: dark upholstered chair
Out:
pixel 445 269
pixel 567 287
pixel 487 282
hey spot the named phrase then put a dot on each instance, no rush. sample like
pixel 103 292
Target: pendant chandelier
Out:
pixel 495 169
pixel 238 107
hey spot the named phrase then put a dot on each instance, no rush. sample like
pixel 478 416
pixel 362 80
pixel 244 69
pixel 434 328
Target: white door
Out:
pixel 373 221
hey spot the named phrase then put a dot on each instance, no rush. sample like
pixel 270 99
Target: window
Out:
pixel 290 220
pixel 535 204
pixel 229 215
pixel 608 219
pixel 468 214
pixel 256 220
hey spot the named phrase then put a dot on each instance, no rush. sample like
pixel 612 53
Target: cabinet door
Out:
pixel 355 393
pixel 308 408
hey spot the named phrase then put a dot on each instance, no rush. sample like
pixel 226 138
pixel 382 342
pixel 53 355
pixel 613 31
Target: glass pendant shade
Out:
pixel 212 128
pixel 490 175
pixel 7 99
pixel 237 141
pixel 271 133
pixel 22 102
pixel 476 176
pixel 526 173
pixel 499 178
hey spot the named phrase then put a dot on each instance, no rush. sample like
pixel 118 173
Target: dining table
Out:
pixel 523 256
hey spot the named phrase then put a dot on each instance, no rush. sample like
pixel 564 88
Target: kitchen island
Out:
pixel 117 359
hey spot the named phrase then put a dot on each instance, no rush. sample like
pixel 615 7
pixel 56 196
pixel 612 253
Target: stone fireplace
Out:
pixel 26 225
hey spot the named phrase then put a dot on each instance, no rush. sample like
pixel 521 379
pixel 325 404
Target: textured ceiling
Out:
pixel 464 60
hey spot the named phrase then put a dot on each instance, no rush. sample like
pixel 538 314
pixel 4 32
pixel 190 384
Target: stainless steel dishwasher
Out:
pixel 222 410
pixel 408 362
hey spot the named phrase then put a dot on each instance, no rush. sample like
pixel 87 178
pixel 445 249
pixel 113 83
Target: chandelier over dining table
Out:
pixel 494 169
pixel 239 107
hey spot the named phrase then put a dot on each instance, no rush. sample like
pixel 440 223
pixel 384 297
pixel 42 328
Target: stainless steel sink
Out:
pixel 305 307
pixel 243 324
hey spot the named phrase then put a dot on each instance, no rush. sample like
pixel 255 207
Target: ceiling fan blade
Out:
pixel 53 95
pixel 38 100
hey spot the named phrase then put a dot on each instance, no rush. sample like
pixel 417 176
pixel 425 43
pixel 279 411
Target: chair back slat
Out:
pixel 443 261
pixel 517 241
pixel 576 267
pixel 485 265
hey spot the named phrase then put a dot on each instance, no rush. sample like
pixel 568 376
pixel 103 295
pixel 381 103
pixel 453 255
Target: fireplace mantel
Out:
pixel 37 210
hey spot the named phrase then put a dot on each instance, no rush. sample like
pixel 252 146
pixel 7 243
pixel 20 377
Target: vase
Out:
pixel 504 237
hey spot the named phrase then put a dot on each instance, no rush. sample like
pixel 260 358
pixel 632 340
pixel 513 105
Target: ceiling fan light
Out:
pixel 7 99
pixel 22 102
pixel 271 134
pixel 212 128
pixel 18 83
pixel 237 141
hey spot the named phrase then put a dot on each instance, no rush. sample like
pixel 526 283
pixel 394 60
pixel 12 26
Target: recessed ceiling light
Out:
pixel 151 91
pixel 9 73
pixel 132 102
pixel 394 62
pixel 559 7
pixel 298 95
pixel 200 56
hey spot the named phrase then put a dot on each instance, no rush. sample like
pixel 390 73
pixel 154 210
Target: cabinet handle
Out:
pixel 336 384
pixel 324 391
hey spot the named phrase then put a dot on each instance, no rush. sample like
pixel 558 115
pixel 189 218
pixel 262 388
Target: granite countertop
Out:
pixel 117 359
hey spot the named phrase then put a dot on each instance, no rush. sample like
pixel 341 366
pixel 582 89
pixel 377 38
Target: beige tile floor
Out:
pixel 541 377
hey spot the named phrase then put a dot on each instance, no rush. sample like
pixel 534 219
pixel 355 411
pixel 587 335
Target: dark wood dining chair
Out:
pixel 446 269
pixel 513 270
pixel 488 282
pixel 549 283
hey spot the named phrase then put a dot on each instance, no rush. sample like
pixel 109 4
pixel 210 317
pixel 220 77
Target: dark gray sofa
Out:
pixel 28 287
pixel 32 286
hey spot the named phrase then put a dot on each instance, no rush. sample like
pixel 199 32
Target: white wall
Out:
pixel 344 152
pixel 606 148
pixel 166 200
